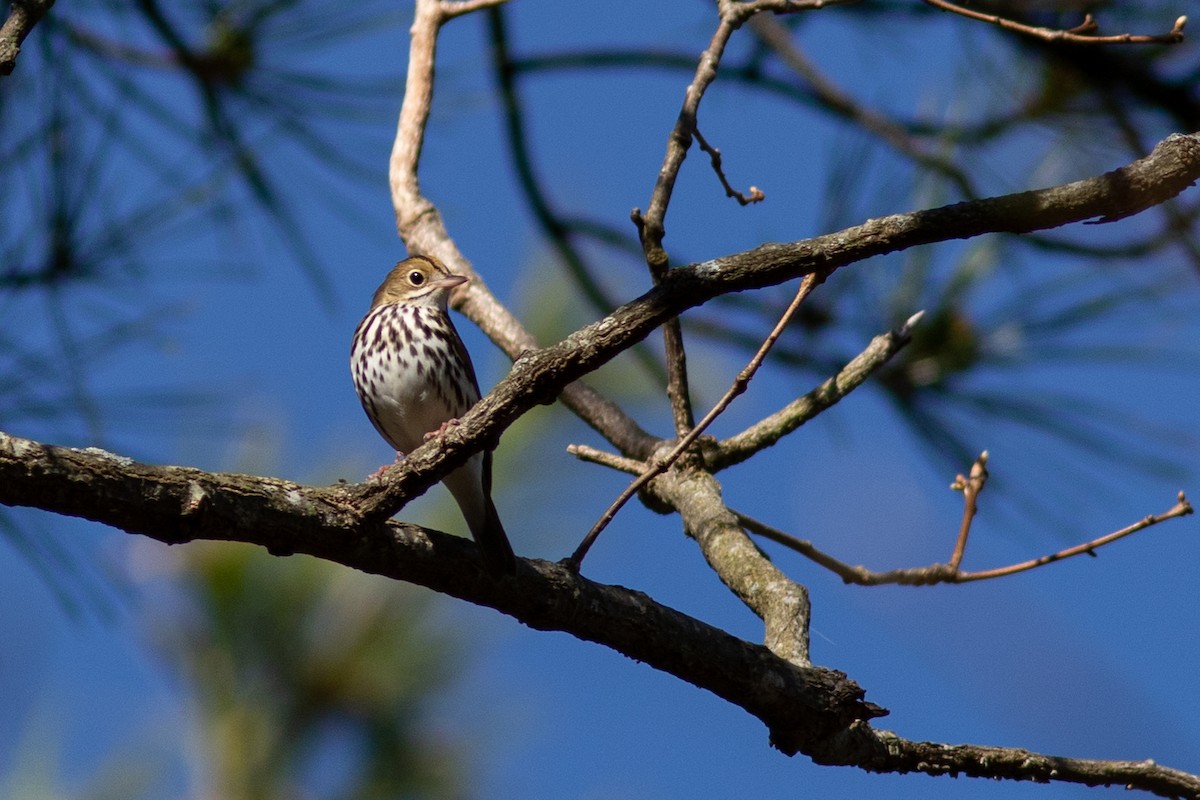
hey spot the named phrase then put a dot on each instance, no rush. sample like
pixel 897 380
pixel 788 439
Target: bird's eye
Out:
pixel 416 277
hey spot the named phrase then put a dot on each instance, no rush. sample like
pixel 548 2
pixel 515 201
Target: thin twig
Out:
pixel 660 465
pixel 970 486
pixel 946 573
pixel 585 453
pixel 653 230
pixel 1081 34
pixel 652 225
pixel 805 548
pixel 755 194
pixel 1182 508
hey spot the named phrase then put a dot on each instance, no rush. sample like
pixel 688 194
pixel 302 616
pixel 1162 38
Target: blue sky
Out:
pixel 1090 658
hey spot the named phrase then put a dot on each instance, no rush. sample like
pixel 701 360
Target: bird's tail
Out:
pixel 471 486
pixel 497 553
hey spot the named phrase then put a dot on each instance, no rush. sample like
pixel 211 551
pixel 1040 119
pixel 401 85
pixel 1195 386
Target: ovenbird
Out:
pixel 414 377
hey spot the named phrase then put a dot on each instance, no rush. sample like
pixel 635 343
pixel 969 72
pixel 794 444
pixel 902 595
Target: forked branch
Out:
pixel 950 572
pixel 661 465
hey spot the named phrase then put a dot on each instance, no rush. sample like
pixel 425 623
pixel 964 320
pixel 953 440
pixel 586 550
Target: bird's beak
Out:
pixel 450 281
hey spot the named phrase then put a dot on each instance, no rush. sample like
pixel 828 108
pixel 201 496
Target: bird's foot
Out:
pixel 377 474
pixel 447 425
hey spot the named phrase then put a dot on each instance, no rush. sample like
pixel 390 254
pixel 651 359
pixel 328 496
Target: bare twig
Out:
pixel 731 17
pixel 585 453
pixel 948 573
pixel 652 225
pixel 661 465
pixel 754 195
pixel 1083 33
pixel 970 485
pixel 1182 508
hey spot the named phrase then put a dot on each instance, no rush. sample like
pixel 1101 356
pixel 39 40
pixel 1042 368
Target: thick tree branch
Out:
pixel 814 711
pixel 800 706
pixel 781 603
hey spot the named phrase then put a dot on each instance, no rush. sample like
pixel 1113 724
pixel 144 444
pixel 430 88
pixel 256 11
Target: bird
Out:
pixel 414 378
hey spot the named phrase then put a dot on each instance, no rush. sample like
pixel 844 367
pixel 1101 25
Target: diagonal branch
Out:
pixel 781 603
pixel 767 432
pixel 539 376
pixel 22 16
